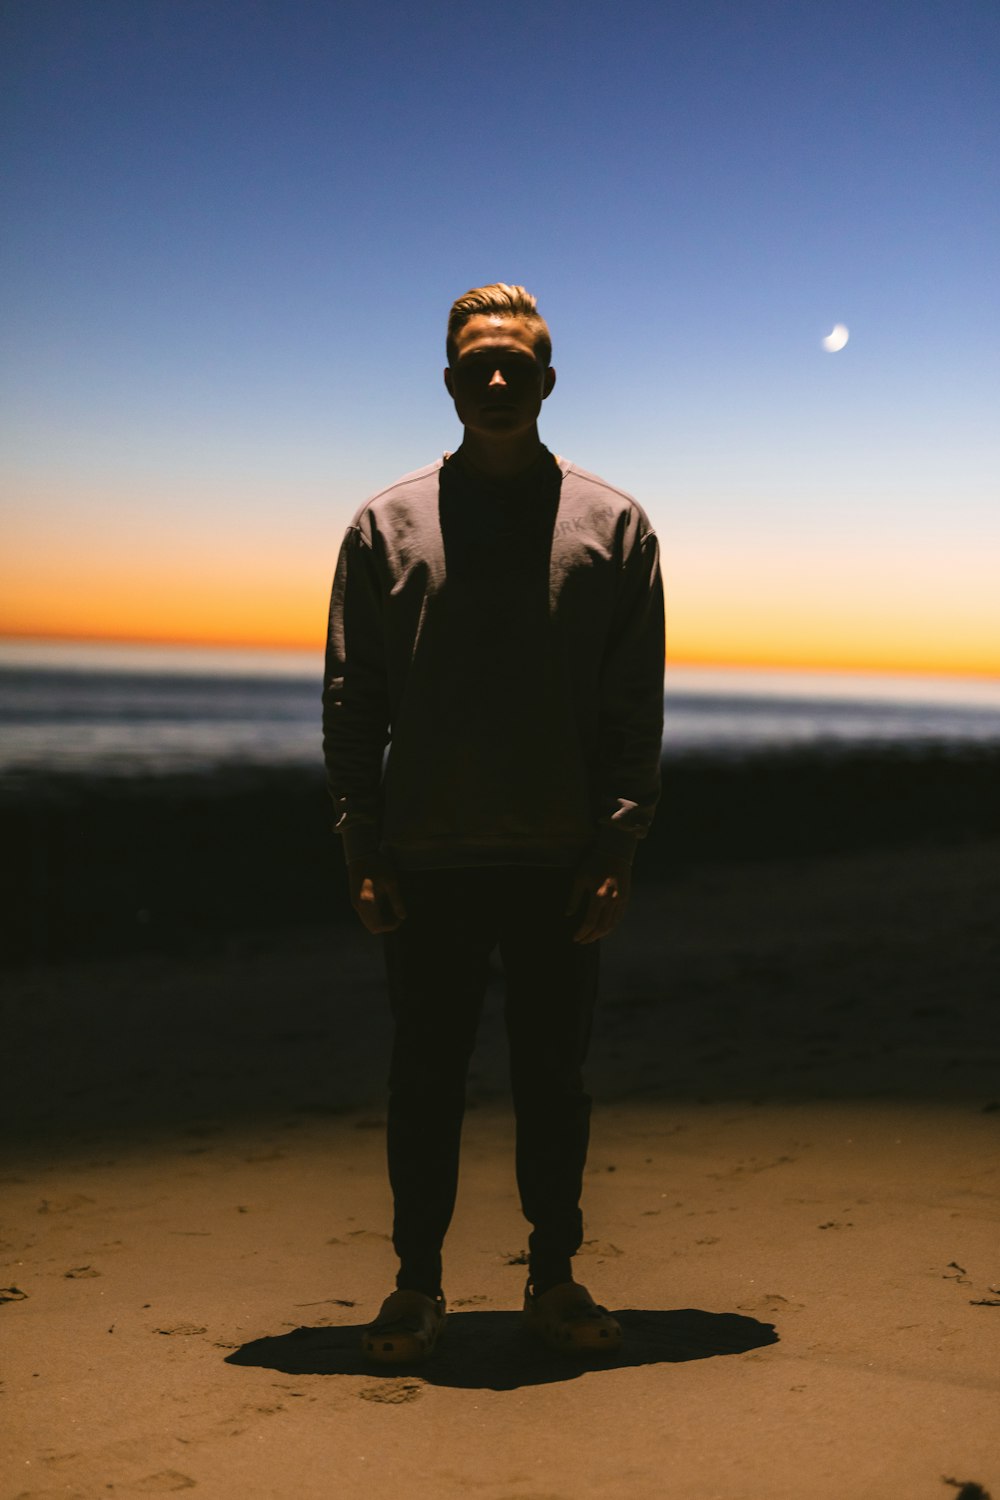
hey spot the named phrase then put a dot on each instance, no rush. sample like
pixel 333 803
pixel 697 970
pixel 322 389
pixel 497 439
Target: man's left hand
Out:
pixel 600 892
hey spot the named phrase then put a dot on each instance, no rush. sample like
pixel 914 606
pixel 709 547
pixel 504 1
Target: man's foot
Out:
pixel 567 1319
pixel 406 1329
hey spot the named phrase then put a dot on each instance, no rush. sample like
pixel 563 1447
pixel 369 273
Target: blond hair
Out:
pixel 502 301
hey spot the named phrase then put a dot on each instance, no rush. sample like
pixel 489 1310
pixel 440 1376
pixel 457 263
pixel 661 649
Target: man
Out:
pixel 499 616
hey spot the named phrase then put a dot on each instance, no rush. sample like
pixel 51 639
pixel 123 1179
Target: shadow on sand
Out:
pixel 492 1351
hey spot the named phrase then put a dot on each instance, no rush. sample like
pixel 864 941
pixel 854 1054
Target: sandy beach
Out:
pixel 791 1203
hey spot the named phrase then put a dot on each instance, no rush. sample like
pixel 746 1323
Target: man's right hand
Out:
pixel 375 895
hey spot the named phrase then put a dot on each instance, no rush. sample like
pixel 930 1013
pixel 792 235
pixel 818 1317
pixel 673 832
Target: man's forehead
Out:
pixel 493 331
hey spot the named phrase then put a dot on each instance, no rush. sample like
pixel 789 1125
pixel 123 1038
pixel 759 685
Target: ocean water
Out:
pixel 120 710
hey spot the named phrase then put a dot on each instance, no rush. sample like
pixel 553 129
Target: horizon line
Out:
pixel 790 663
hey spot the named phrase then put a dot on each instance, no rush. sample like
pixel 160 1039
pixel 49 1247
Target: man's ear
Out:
pixel 447 381
pixel 549 381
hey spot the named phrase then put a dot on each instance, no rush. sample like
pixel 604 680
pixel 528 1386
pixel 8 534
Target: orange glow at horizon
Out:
pixel 297 628
pixel 834 608
pixel 224 619
pixel 937 616
pixel 247 600
pixel 797 639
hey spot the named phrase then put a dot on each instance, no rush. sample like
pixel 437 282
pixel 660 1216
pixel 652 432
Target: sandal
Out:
pixel 567 1319
pixel 406 1329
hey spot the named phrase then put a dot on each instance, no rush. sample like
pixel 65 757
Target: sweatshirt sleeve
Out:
pixel 631 706
pixel 355 697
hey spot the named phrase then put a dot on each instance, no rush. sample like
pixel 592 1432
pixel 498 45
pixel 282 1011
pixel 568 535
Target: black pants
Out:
pixel 437 963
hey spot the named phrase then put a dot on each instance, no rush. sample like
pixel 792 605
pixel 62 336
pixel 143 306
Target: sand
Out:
pixel 791 1202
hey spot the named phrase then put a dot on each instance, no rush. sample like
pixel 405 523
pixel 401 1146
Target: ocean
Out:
pixel 129 710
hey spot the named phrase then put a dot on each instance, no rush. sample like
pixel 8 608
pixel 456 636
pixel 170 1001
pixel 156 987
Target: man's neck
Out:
pixel 501 458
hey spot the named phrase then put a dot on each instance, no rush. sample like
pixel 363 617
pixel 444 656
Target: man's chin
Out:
pixel 501 419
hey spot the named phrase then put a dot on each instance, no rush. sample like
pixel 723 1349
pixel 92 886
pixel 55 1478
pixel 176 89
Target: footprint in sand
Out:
pixel 181 1328
pixel 522 1496
pixel 164 1482
pixel 392 1391
pixel 770 1302
pixel 600 1247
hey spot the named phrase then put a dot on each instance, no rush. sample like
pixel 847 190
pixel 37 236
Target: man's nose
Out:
pixel 497 378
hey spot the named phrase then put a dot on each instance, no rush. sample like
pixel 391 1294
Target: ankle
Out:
pixel 545 1281
pixel 435 1294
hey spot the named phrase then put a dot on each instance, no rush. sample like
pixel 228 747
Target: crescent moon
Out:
pixel 835 339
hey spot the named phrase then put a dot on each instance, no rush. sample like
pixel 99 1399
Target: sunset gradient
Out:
pixel 236 234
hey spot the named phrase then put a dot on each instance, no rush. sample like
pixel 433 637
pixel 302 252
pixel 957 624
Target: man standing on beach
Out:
pixel 499 616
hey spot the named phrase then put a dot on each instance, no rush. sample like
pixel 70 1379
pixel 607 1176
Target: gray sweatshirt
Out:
pixel 507 639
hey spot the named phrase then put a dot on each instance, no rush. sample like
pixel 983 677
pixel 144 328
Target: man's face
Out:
pixel 496 379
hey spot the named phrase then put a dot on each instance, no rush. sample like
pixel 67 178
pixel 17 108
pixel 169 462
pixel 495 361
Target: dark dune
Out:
pixel 183 862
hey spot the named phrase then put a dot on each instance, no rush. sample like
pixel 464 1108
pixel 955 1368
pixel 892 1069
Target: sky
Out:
pixel 235 228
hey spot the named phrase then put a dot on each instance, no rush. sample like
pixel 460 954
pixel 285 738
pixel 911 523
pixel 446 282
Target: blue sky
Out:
pixel 237 229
